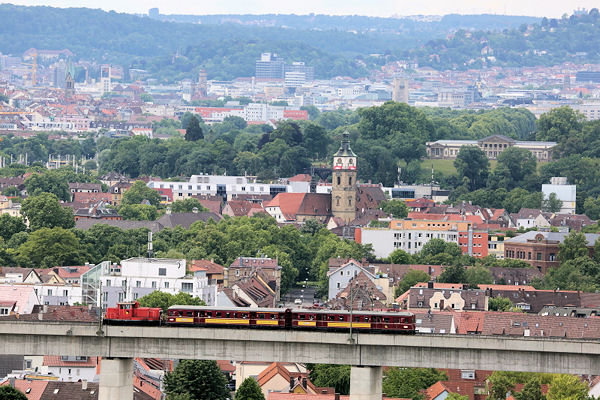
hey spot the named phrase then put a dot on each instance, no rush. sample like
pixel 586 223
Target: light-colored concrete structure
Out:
pixel 563 191
pixel 365 383
pixel 530 354
pixel 116 379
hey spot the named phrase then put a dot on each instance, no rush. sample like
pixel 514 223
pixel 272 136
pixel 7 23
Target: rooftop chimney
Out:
pixel 84 384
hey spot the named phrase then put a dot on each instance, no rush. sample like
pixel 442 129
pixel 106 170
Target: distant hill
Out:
pixel 227 46
pixel 550 42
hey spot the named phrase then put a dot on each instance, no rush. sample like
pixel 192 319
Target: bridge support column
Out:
pixel 116 379
pixel 365 383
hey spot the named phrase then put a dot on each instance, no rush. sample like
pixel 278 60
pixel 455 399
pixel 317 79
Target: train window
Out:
pixel 318 317
pixel 311 317
pixel 301 316
pixel 244 315
pixel 332 318
pixel 227 315
pixel 402 320
pixel 189 313
pixel 356 319
pixel 386 320
pixel 217 314
pixel 273 316
pixel 261 316
pixel 341 317
pixel 366 319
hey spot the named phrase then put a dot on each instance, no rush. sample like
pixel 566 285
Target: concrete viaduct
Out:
pixel 367 353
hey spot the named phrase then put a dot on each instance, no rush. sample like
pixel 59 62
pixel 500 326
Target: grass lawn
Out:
pixel 446 166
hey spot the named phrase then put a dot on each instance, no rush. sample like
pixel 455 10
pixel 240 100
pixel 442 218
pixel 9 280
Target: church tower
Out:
pixel 343 193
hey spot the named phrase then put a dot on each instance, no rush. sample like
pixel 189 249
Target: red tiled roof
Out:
pixel 56 361
pixel 300 178
pixel 36 388
pixel 271 371
pixel 209 266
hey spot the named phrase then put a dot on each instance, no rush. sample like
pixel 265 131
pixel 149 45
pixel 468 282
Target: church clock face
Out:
pixel 338 164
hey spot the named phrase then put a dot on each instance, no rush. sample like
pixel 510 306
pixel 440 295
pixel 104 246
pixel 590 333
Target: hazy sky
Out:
pixel 384 8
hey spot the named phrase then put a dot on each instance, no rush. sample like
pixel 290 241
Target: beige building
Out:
pixel 492 146
pixel 400 90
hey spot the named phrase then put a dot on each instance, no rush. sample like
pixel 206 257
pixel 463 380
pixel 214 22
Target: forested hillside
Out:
pixel 550 42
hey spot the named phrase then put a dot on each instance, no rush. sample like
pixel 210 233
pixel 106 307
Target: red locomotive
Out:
pixel 132 313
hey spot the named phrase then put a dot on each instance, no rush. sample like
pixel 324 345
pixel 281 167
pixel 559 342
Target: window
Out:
pixel 135 296
pixel 467 374
pixel 65 292
pixel 162 272
pixel 153 284
pixel 4 311
pixel 107 282
pixel 187 287
pixel 138 283
pixel 49 292
pixel 166 285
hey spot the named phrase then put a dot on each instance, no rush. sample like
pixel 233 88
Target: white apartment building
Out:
pixel 227 186
pixel 137 277
pixel 385 240
pixel 564 192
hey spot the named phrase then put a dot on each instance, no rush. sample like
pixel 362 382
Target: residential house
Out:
pixel 54 390
pixel 240 208
pixel 514 276
pixel 81 187
pixel 214 272
pixel 17 299
pixel 72 368
pixel 445 296
pixel 243 267
pixel 340 277
pixel 252 369
pixel 531 218
pixel 361 293
pixel 98 211
pixel 92 198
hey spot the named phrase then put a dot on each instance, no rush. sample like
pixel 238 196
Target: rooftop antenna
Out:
pixel 150 250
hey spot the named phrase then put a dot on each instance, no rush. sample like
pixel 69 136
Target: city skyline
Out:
pixel 379 8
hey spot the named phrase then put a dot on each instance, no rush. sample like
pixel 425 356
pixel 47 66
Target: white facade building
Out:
pixel 385 240
pixel 564 192
pixel 137 277
pixel 227 186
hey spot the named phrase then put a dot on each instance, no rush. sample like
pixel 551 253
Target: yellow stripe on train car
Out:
pixel 266 322
pixel 347 324
pixel 184 319
pixel 227 321
pixel 307 323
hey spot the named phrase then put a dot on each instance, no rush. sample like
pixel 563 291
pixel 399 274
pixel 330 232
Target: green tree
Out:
pixel 397 208
pixel 51 181
pixel 531 391
pixel 516 167
pixel 44 210
pixel 8 392
pixel 193 131
pixel 439 246
pixel 399 256
pixel 138 212
pixel 472 163
pixel 501 385
pixel 499 304
pixel 591 207
pixel 567 387
pixel 478 275
pixel 49 247
pixel 139 192
pixel 336 376
pixel 249 390
pixel 10 225
pixel 453 274
pixel 574 246
pixel 166 300
pixel 187 205
pixel 558 124
pixel 411 278
pixel 552 203
pixel 456 396
pixel 201 380
pixel 408 382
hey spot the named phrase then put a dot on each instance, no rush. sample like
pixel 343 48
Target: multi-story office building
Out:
pixel 270 67
pixel 563 191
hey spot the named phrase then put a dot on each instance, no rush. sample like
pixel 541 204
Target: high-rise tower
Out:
pixel 343 193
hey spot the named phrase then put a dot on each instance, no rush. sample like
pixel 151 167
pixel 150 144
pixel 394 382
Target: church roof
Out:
pixel 345 150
